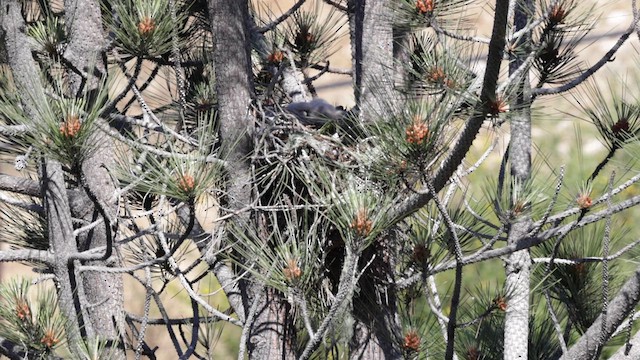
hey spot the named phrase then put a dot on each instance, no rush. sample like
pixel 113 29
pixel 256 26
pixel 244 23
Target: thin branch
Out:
pixel 619 308
pixel 145 317
pixel 187 286
pixel 526 242
pixel 332 70
pixel 587 74
pixel 13 130
pixel 246 329
pixel 195 327
pixel 552 203
pixel 21 204
pixel 455 297
pixel 20 185
pixel 475 39
pixel 156 151
pixel 605 270
pixel 345 291
pixel 337 5
pixel 436 305
pixel 589 259
pixel 281 18
pixel 576 210
pixel 556 322
pixel 30 255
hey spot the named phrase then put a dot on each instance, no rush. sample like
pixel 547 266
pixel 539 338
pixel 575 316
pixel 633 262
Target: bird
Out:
pixel 316 112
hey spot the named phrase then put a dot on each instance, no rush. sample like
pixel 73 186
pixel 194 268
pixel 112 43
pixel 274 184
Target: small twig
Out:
pixel 345 291
pixel 436 305
pixel 556 322
pixel 302 302
pixel 145 314
pixel 337 5
pixel 21 204
pixel 87 227
pixel 587 74
pixel 547 213
pixel 285 15
pixel 605 269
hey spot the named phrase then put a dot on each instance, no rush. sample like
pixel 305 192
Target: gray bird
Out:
pixel 316 112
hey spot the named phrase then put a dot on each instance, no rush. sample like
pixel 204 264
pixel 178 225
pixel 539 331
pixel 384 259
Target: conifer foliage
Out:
pixel 177 185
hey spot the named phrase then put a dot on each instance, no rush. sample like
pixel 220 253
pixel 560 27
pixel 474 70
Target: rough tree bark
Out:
pixel 518 264
pixel 618 310
pixel 376 335
pixel 269 338
pixel 104 292
pixel 85 52
pixel 60 227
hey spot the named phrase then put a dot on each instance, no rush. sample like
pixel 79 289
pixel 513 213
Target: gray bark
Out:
pixel 104 291
pixel 62 244
pixel 518 264
pixel 375 334
pixel 23 67
pixel 229 20
pixel 372 49
pixel 86 41
pixel 619 308
pixel 61 238
pixel 516 326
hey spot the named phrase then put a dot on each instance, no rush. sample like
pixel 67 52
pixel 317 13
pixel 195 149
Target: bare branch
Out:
pixel 587 74
pixel 30 255
pixel 19 185
pixel 285 15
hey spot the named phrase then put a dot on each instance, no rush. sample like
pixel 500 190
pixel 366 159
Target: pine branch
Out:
pixel 21 204
pixel 345 292
pixel 20 185
pixel 526 242
pixel 619 308
pixel 589 72
pixel 472 127
pixel 37 256
pixel 284 16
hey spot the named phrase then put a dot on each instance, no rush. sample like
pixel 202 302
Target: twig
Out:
pixel 244 337
pixel 605 270
pixel 285 15
pixel 21 204
pixel 525 243
pixel 337 5
pixel 145 316
pixel 592 70
pixel 39 256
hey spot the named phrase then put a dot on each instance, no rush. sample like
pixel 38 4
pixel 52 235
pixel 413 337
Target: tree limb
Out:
pixel 619 308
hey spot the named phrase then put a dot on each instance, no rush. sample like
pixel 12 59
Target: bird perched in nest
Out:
pixel 316 112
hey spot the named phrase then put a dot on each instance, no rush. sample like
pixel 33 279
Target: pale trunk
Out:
pixel 85 51
pixel 229 20
pixel 518 267
pixel 375 334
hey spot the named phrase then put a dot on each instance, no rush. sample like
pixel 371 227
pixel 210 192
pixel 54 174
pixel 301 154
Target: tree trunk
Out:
pixel 371 24
pixel 61 241
pixel 518 269
pixel 85 46
pixel 229 21
pixel 375 334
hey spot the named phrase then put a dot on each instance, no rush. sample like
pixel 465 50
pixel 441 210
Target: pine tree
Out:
pixel 178 152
